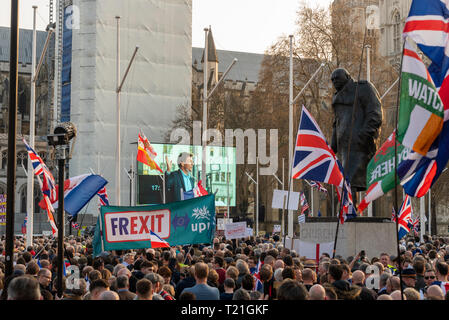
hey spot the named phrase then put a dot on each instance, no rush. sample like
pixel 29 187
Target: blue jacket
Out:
pixel 174 184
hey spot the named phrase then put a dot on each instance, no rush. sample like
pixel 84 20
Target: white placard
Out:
pixel 222 221
pixel 249 232
pixel 235 230
pixel 280 195
pixel 277 228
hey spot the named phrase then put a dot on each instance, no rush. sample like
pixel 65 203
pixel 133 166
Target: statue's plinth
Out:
pixel 374 235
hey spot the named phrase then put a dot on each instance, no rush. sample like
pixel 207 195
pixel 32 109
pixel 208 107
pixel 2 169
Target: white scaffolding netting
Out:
pixel 158 82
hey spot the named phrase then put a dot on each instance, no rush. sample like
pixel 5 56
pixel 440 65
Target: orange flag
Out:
pixel 146 153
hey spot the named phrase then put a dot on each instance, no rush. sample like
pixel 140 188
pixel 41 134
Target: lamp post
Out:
pixel 63 133
pixel 12 130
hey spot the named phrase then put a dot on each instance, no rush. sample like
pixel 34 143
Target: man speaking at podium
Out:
pixel 179 181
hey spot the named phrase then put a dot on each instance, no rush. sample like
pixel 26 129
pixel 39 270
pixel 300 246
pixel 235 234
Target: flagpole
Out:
pixel 290 136
pixel 12 131
pixel 311 201
pixel 422 215
pixel 338 220
pixel 118 151
pixel 257 196
pixel 396 175
pixel 430 208
pixel 204 137
pixel 30 177
pixel 283 207
pixel 290 179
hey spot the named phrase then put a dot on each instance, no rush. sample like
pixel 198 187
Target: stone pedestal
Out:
pixel 370 234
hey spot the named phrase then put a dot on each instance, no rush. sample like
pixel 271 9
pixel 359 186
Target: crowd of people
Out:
pixel 250 269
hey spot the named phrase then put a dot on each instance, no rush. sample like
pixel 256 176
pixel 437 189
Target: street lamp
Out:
pixel 63 133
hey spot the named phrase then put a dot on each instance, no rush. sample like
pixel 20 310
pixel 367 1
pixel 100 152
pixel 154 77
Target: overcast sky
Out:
pixel 237 25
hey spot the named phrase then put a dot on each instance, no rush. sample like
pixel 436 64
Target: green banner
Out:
pixel 185 222
pixel 381 166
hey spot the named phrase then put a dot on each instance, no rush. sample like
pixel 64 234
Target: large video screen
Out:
pixel 220 172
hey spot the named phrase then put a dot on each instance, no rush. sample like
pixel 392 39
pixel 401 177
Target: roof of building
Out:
pixel 247 67
pixel 25 44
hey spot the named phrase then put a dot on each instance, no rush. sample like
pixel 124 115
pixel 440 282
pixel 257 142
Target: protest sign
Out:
pixel 280 195
pixel 184 222
pixel 235 230
pixel 2 209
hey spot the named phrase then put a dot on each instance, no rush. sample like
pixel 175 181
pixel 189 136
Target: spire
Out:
pixel 212 52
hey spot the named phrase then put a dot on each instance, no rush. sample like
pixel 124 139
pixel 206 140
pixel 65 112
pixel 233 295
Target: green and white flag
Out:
pixel 421 113
pixel 380 173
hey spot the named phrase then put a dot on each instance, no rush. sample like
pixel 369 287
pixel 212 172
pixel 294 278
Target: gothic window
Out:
pixel 37 198
pixel 22 158
pixel 4 159
pixel 396 32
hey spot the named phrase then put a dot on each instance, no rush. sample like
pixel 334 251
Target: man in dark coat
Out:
pixel 179 181
pixel 365 128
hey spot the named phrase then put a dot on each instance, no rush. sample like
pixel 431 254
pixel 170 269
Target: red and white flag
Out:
pixel 157 242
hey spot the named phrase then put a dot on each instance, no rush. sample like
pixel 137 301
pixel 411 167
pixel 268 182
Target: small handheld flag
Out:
pixel 157 242
pixel 24 225
pixel 405 218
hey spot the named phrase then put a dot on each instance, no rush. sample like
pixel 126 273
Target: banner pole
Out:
pixel 396 175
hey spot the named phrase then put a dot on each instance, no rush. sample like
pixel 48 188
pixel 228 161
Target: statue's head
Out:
pixel 339 78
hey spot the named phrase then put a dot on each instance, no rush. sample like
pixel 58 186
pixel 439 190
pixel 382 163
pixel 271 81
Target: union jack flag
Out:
pixel 393 215
pixel 427 25
pixel 258 285
pixel 36 160
pixel 75 225
pixel 348 210
pixel 103 197
pixel 47 185
pixel 303 202
pixel 314 158
pixel 416 224
pixel 317 185
pixel 405 217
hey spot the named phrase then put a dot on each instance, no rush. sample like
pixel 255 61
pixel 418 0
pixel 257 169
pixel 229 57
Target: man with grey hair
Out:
pixel 179 181
pixel 243 269
pixel 24 288
pixel 383 282
pixel 122 283
pixel 109 295
pixel 157 282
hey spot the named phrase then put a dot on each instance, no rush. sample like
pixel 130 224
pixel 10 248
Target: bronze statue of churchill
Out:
pixel 365 128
